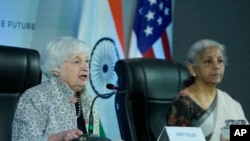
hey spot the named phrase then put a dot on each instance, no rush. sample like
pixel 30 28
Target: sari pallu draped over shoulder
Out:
pixel 222 108
pixel 206 121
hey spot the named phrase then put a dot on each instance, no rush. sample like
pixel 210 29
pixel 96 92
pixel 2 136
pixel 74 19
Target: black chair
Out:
pixel 150 86
pixel 19 70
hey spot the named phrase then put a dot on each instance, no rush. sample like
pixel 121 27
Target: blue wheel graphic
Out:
pixel 102 62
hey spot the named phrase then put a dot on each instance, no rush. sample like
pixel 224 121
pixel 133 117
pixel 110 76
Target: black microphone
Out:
pixel 90 136
pixel 111 87
pixel 104 96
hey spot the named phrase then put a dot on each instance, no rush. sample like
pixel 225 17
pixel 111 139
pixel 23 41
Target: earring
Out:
pixel 194 74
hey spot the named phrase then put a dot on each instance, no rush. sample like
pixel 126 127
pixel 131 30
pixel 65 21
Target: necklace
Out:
pixel 78 106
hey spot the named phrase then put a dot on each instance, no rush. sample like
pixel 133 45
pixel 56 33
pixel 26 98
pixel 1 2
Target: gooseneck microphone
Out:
pixel 90 136
pixel 105 96
pixel 111 87
pixel 91 120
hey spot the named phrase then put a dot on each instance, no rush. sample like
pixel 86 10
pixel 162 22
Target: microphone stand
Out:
pixel 90 136
pixel 91 120
pixel 104 96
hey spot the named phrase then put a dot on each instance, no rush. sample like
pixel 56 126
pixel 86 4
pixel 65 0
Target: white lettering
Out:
pixel 243 131
pixel 239 132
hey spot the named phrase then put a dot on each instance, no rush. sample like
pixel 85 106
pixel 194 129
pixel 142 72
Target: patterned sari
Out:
pixel 185 112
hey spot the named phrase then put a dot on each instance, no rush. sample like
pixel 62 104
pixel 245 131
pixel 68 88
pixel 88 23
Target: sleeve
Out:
pixel 179 113
pixel 234 109
pixel 28 121
pixel 240 111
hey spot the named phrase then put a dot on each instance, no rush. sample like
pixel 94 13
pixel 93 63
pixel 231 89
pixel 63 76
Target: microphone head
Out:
pixel 111 87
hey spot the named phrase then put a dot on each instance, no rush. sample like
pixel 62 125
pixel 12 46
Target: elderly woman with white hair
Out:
pixel 58 108
pixel 201 103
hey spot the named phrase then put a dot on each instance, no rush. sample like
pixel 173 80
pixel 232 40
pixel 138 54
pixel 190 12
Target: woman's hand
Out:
pixel 67 135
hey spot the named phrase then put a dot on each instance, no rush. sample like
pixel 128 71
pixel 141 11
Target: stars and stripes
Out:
pixel 152 31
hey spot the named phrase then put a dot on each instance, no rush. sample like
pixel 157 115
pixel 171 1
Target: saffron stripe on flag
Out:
pixel 101 27
pixel 116 9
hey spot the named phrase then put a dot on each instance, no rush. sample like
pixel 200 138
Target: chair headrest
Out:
pixel 19 69
pixel 150 78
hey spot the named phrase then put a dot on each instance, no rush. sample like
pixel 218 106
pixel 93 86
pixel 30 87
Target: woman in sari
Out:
pixel 201 103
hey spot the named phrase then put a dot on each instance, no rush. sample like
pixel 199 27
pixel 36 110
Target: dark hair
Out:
pixel 189 81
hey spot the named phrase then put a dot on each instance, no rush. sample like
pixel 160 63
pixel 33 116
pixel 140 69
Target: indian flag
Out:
pixel 101 27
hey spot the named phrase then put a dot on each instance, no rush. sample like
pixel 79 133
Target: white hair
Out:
pixel 57 51
pixel 196 49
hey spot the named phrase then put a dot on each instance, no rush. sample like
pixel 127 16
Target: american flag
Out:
pixel 152 31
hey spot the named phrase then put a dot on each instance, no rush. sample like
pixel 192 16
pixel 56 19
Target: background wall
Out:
pixel 228 22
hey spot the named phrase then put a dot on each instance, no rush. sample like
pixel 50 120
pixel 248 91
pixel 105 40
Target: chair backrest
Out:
pixel 150 86
pixel 19 70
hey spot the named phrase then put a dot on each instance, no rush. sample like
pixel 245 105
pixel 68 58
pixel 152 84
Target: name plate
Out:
pixel 173 133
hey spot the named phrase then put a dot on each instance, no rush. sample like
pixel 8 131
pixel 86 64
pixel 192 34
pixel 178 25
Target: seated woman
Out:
pixel 201 103
pixel 58 108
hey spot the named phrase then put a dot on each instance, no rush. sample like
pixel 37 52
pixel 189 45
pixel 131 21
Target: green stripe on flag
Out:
pixel 102 133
